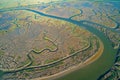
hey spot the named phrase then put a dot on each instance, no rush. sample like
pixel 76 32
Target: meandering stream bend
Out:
pixel 95 69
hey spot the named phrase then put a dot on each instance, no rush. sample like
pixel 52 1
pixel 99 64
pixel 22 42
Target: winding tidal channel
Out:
pixel 93 70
